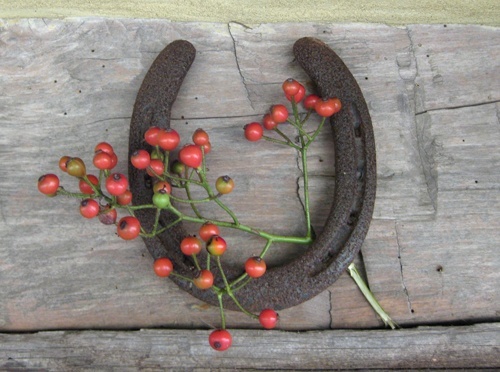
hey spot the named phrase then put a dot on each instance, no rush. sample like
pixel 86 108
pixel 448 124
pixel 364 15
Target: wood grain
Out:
pixel 430 255
pixel 420 348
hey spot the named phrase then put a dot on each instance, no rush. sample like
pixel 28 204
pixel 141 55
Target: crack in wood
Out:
pixel 238 64
pixel 457 107
pixel 405 289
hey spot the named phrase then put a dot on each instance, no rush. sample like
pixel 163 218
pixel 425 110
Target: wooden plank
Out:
pixel 457 66
pixel 420 348
pixel 56 98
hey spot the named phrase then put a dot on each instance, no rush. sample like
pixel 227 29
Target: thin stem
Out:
pixel 211 194
pixel 353 271
pixel 163 229
pixel 230 293
pixel 195 260
pixel 191 201
pixel 221 309
pixel 181 277
pixel 193 207
pixel 245 228
pixel 287 143
pixel 307 211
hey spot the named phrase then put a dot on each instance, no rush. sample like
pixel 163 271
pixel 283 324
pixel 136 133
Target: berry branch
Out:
pixel 189 172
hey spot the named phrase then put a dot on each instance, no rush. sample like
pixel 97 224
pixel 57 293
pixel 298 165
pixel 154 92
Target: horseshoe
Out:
pixel 355 180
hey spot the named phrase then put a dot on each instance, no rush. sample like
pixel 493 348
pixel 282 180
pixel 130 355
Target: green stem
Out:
pixel 195 260
pixel 193 207
pixel 307 212
pixel 245 228
pixel 221 309
pixel 211 194
pixel 230 293
pixel 353 271
pixel 287 143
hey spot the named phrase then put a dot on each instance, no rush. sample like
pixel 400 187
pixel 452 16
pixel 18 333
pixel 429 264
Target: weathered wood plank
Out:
pixel 424 347
pixel 67 84
pixel 457 66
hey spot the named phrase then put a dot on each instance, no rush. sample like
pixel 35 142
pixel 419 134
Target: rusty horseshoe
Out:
pixel 355 179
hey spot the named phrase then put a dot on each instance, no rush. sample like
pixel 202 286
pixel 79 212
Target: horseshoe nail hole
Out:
pixel 55 81
pixel 427 56
pixel 439 268
pixel 352 219
pixel 103 66
pixel 65 113
pixel 475 181
pixel 445 26
pixel 182 117
pixel 320 160
pixel 463 140
pixel 79 91
pixel 366 77
pixel 148 182
pixel 195 97
pixel 412 311
pixel 93 50
pixel 360 173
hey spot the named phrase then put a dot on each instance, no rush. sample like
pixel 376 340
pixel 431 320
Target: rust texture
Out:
pixel 355 180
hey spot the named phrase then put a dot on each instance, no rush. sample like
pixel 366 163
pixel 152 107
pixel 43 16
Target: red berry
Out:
pixel 216 246
pixel 104 147
pixel 327 107
pixel 291 86
pixel 62 163
pixel 253 131
pixel 140 159
pixel 310 101
pixel 224 185
pixel 156 168
pixel 116 184
pixel 85 188
pixel 220 339
pixel 125 198
pixel 48 184
pixel 268 318
pixel 76 167
pixel 114 160
pixel 151 136
pixel 279 113
pixel 168 139
pixel 191 245
pixel 163 267
pixel 200 137
pixel 207 230
pixel 128 228
pixel 255 267
pixel 299 96
pixel 102 160
pixel 89 208
pixel 108 215
pixel 162 185
pixel 191 156
pixel 268 122
pixel 204 280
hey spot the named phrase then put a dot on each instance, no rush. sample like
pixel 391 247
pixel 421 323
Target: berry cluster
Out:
pixel 101 196
pixel 295 93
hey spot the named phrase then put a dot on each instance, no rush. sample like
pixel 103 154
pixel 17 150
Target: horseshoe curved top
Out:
pixel 355 180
